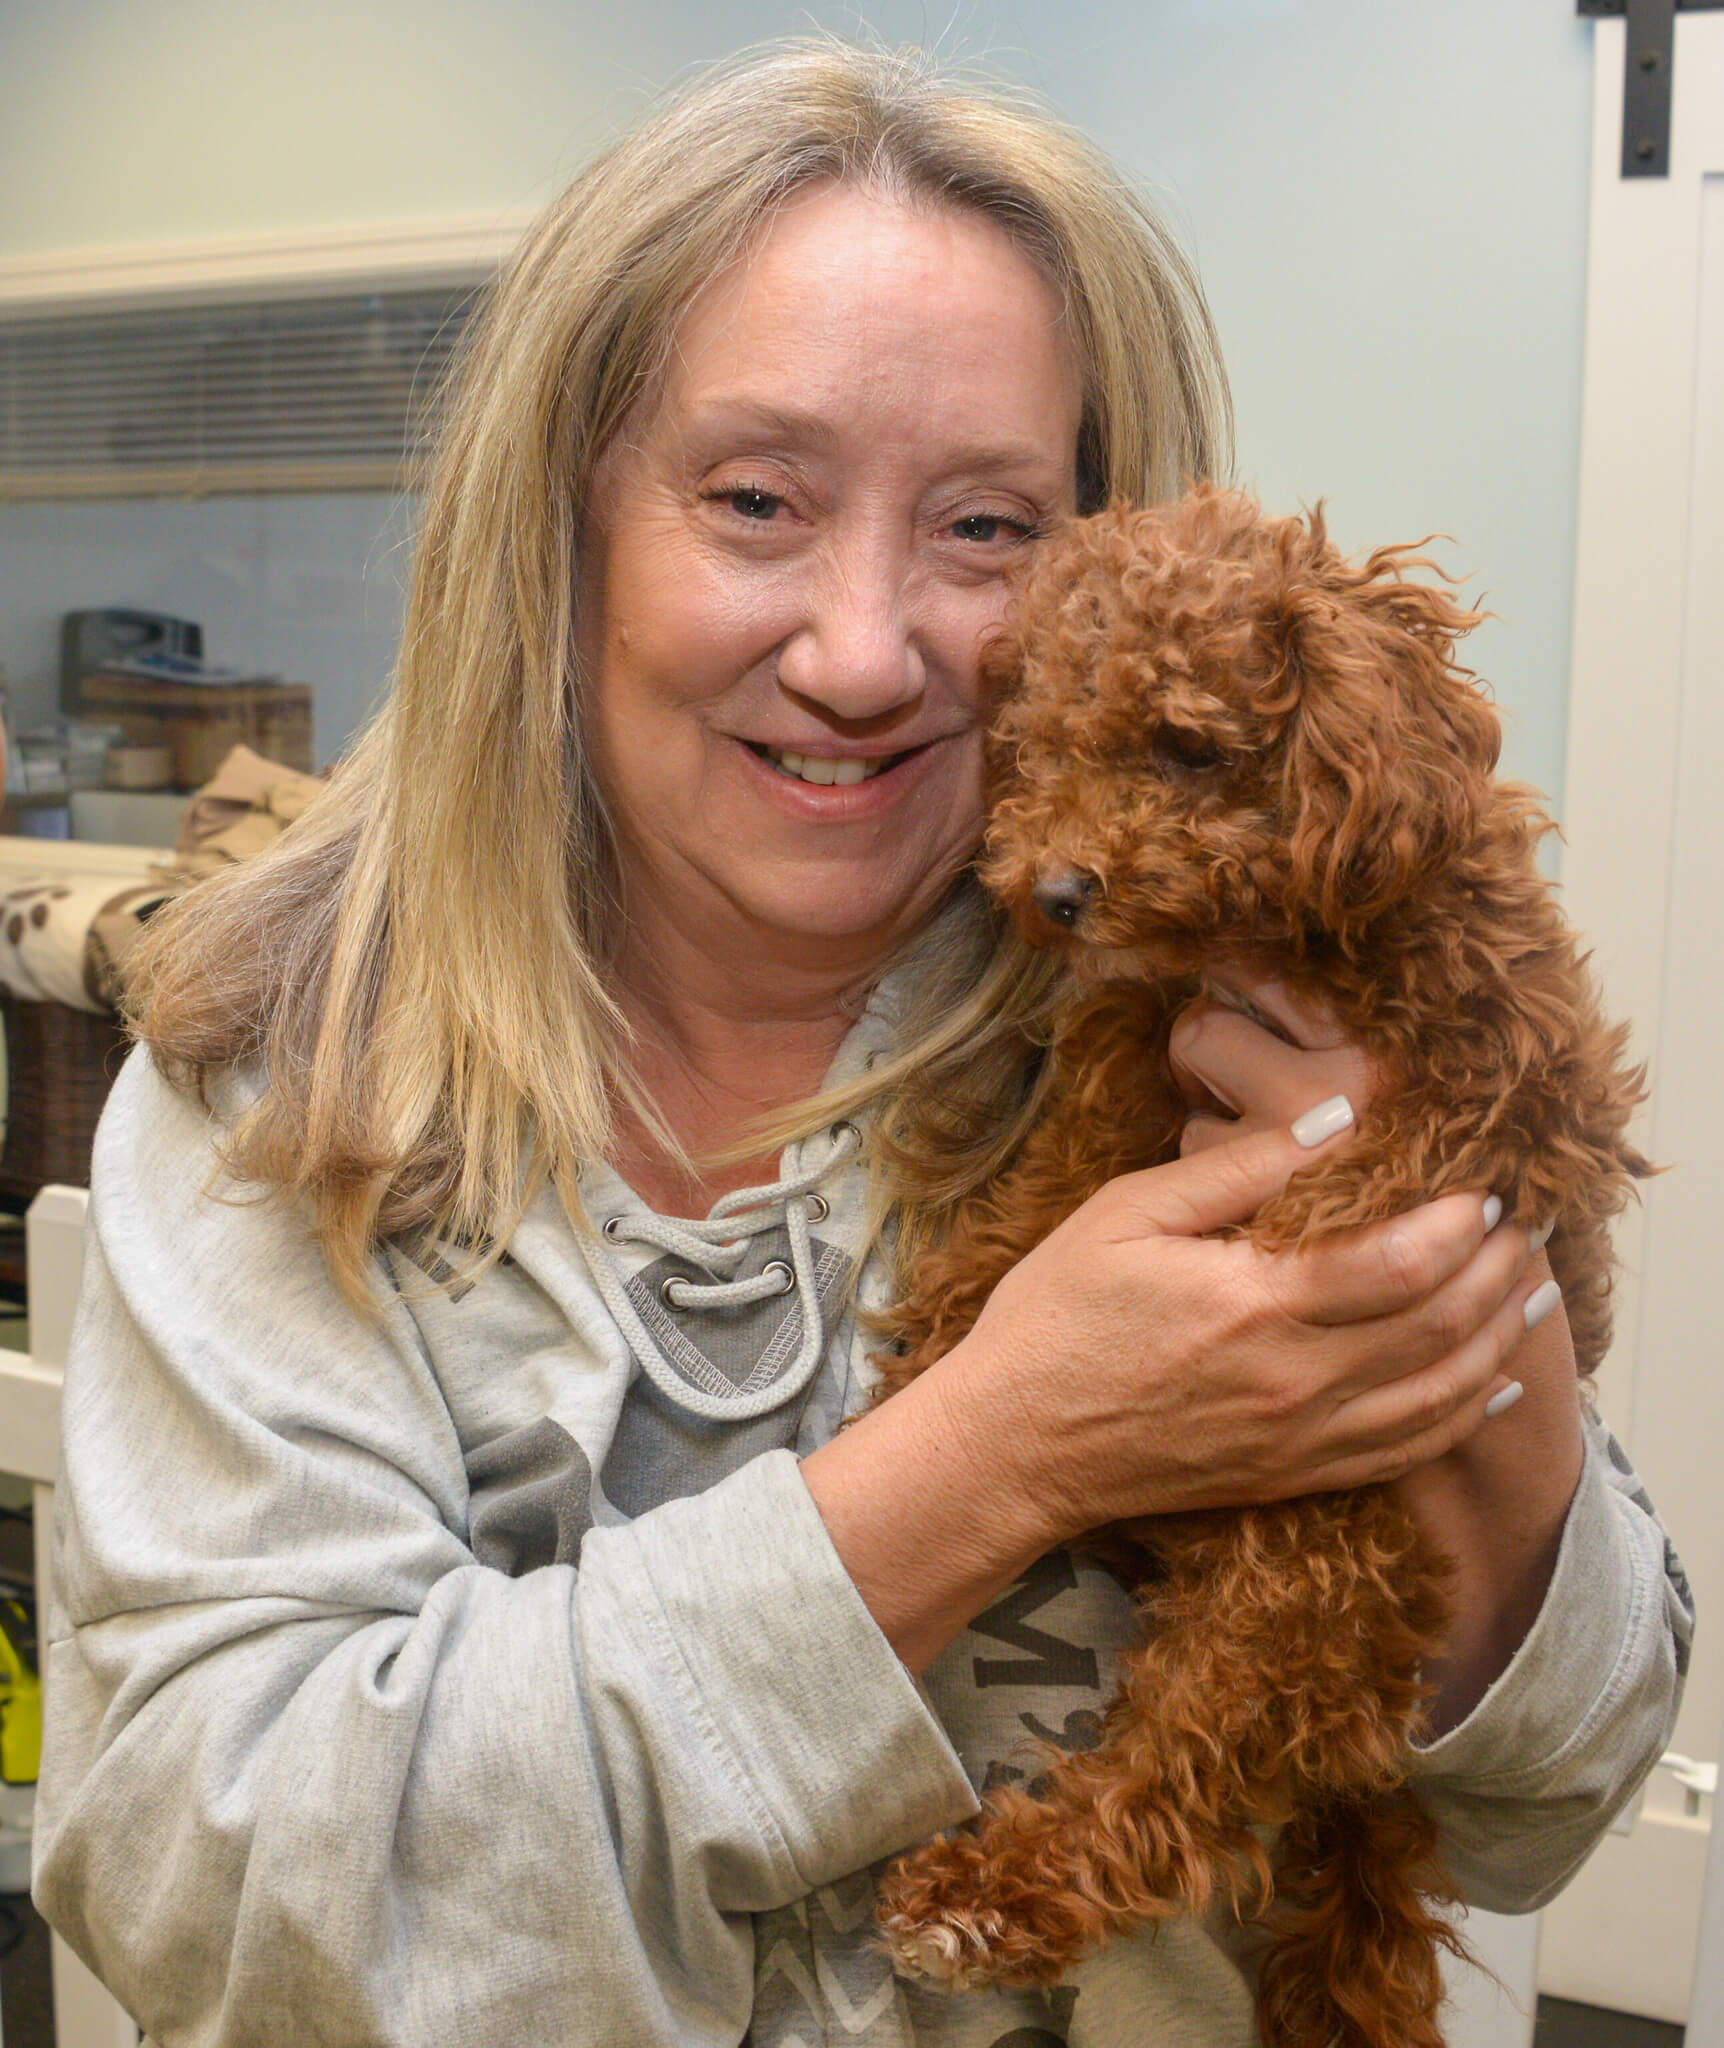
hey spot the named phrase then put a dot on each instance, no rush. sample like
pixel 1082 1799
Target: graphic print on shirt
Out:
pixel 423 1249
pixel 820 1980
pixel 1034 1668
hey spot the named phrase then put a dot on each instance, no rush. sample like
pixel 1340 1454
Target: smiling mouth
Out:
pixel 824 771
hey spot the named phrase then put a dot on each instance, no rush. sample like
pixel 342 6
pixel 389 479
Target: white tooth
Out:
pixel 823 772
pixel 850 771
pixel 790 763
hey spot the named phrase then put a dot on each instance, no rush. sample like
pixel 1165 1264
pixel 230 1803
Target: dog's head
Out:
pixel 1214 733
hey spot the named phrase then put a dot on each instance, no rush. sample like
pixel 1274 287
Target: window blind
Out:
pixel 273 395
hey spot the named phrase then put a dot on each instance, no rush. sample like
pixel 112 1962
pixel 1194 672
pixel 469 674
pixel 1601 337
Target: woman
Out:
pixel 475 1627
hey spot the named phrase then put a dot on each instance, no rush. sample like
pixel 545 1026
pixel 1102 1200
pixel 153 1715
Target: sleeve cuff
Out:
pixel 804 1702
pixel 1586 1646
pixel 1526 1784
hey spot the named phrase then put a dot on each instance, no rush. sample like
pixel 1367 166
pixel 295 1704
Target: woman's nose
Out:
pixel 855 654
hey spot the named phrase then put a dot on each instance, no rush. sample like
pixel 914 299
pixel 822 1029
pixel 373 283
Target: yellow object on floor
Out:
pixel 20 1698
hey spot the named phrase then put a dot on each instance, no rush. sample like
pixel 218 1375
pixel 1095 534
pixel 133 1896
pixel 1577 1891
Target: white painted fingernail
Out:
pixel 1493 1211
pixel 1327 1120
pixel 1540 1302
pixel 1504 1398
pixel 1540 1238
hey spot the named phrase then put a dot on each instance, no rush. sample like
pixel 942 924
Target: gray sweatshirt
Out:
pixel 485 1674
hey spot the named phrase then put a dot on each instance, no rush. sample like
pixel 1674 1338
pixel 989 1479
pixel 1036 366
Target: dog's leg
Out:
pixel 1353 1959
pixel 1330 1598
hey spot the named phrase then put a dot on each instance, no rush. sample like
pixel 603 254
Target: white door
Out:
pixel 1644 875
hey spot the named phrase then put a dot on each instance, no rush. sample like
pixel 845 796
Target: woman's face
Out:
pixel 791 566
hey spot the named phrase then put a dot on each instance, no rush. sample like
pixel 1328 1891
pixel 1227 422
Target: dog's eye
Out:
pixel 1179 747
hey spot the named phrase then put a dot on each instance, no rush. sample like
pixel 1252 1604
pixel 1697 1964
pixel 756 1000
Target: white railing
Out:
pixel 86 2015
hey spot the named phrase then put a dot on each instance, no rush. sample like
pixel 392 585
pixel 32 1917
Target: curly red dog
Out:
pixel 1220 740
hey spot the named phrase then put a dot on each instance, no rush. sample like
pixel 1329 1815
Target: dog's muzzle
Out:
pixel 1060 893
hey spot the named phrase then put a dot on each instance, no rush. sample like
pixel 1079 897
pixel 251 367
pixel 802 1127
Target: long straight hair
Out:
pixel 417 972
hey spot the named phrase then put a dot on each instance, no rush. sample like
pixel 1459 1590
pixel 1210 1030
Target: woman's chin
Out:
pixel 856 920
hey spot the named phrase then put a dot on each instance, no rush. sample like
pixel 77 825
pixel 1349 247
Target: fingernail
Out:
pixel 1540 1238
pixel 1540 1302
pixel 1504 1398
pixel 1325 1121
pixel 1493 1211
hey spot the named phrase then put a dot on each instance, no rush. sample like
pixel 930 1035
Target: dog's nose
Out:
pixel 1061 892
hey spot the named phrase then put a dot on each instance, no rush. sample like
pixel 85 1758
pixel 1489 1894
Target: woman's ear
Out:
pixel 1391 746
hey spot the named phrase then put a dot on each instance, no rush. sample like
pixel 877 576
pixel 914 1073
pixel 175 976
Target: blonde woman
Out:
pixel 475 1629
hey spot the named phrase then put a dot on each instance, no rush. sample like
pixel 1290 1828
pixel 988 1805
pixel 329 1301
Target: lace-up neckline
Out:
pixel 717 1244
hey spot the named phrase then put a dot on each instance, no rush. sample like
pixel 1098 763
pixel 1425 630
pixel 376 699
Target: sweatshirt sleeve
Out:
pixel 315 1775
pixel 1526 1785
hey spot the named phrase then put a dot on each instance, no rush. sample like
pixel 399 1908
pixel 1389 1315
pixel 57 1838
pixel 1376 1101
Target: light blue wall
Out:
pixel 1387 199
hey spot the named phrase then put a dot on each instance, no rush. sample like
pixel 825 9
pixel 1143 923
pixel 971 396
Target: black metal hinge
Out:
pixel 1648 77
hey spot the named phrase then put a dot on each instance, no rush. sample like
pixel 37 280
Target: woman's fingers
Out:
pixel 1239 1075
pixel 1387 1429
pixel 1382 1269
pixel 1153 1365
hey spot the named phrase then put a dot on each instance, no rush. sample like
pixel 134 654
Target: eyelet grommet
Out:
pixel 612 1227
pixel 818 1208
pixel 844 1130
pixel 778 1266
pixel 664 1290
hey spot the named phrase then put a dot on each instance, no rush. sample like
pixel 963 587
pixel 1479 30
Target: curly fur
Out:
pixel 1244 748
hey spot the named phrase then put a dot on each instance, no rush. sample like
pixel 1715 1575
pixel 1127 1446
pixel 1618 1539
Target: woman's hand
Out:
pixel 1142 1366
pixel 1133 1364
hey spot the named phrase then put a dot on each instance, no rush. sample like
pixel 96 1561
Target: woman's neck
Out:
pixel 718 1050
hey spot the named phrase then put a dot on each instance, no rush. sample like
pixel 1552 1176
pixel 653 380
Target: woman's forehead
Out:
pixel 853 307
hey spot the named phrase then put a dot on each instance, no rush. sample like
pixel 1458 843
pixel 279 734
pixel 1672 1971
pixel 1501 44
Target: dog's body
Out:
pixel 1220 741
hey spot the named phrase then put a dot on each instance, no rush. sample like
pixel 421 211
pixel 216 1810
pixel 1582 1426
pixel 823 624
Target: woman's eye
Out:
pixel 986 527
pixel 754 504
pixel 748 503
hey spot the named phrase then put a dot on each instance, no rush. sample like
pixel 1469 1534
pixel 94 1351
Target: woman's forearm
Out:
pixel 924 1513
pixel 1497 1505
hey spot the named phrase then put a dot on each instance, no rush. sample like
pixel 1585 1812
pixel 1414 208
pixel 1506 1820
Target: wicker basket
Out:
pixel 60 1064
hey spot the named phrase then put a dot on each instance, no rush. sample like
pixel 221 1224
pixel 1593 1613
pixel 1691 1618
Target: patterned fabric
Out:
pixel 46 924
pixel 1035 1669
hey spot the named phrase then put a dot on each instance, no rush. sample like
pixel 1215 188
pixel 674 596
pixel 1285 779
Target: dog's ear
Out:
pixel 1391 746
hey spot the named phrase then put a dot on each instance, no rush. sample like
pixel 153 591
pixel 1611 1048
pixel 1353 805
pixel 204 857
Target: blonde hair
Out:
pixel 418 967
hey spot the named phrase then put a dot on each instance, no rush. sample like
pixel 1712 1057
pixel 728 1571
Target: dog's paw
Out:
pixel 950 1954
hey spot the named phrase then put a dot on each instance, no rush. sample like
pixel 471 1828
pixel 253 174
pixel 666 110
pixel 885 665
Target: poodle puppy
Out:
pixel 1218 740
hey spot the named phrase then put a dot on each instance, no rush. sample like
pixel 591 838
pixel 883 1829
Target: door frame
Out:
pixel 1624 1934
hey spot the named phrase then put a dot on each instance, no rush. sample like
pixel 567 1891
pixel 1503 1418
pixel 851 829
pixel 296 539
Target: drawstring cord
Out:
pixel 718 1244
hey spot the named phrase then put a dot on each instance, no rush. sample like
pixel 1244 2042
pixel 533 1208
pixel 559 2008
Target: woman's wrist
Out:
pixel 927 1510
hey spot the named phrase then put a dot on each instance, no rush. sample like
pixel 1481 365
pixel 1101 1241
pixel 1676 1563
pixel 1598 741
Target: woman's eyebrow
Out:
pixel 794 427
pixel 770 421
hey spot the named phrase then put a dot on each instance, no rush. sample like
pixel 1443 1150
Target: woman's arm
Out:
pixel 1134 1365
pixel 312 1770
pixel 1524 1786
pixel 1496 1505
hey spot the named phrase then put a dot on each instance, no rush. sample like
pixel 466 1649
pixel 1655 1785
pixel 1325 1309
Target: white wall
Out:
pixel 1387 199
